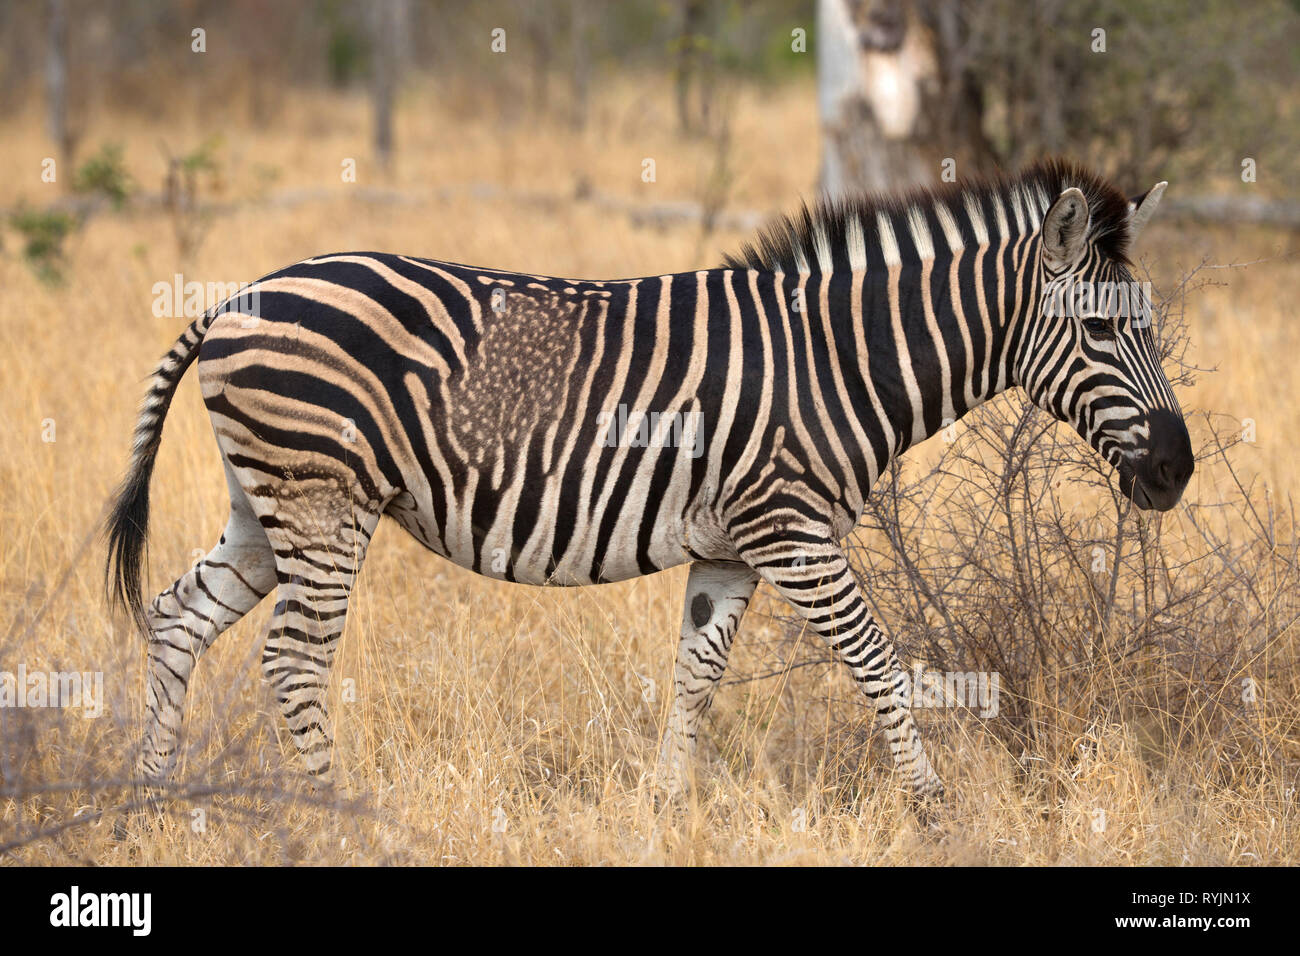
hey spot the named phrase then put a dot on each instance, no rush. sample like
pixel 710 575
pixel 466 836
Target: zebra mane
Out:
pixel 826 231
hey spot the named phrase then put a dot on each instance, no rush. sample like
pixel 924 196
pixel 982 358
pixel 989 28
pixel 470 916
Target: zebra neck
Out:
pixel 930 337
pixel 944 281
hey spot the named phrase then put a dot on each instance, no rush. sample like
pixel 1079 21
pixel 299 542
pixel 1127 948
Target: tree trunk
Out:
pixel 389 20
pixel 56 81
pixel 894 95
pixel 686 69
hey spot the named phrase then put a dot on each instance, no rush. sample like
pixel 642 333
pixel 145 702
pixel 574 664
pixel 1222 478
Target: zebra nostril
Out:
pixel 1170 460
pixel 1171 471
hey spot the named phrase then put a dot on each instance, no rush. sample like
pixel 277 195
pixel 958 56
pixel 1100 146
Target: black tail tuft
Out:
pixel 128 529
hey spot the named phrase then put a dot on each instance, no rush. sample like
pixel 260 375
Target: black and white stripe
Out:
pixel 476 408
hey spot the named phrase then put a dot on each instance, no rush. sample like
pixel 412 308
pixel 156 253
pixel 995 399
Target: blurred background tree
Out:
pixel 1140 89
pixel 1128 86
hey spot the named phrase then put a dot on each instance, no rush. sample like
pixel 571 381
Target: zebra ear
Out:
pixel 1065 229
pixel 1141 208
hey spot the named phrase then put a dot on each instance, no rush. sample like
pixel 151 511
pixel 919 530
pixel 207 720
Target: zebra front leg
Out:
pixel 717 593
pixel 187 618
pixel 817 581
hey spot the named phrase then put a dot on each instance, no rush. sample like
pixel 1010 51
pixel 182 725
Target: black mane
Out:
pixel 788 243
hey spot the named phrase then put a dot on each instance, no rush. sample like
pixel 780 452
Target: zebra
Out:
pixel 487 413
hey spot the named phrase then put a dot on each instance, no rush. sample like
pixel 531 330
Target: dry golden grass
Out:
pixel 469 702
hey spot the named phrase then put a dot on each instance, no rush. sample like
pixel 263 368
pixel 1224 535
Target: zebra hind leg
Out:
pixel 187 618
pixel 717 593
pixel 319 548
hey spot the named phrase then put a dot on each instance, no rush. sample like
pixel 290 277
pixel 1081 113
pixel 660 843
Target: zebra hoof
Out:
pixel 322 783
pixel 144 813
pixel 666 796
pixel 120 832
pixel 669 789
pixel 926 804
pixel 670 781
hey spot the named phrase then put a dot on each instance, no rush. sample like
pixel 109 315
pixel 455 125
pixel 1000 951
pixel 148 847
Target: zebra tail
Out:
pixel 128 523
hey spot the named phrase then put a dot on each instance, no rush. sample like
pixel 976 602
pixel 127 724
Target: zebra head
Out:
pixel 1090 356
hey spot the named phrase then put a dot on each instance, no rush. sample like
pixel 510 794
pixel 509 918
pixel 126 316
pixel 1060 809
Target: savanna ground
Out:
pixel 482 723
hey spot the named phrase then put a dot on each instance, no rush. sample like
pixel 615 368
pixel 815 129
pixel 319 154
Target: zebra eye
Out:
pixel 1101 328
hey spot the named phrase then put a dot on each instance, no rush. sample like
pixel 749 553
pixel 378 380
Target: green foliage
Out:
pixel 777 58
pixel 1181 89
pixel 43 233
pixel 203 158
pixel 744 39
pixel 105 174
pixel 189 177
pixel 347 56
pixel 347 48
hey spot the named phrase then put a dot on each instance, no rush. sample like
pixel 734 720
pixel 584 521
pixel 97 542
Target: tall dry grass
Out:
pixel 486 723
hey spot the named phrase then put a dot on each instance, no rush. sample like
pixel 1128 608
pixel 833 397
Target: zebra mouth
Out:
pixel 1140 498
pixel 1144 492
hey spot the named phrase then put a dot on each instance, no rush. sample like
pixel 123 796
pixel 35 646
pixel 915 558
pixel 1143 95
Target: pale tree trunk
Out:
pixel 893 95
pixel 56 80
pixel 389 24
pixel 687 69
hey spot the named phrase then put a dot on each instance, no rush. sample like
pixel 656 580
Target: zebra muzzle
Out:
pixel 1155 481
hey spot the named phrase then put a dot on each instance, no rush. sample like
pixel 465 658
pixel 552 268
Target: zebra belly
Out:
pixel 575 536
